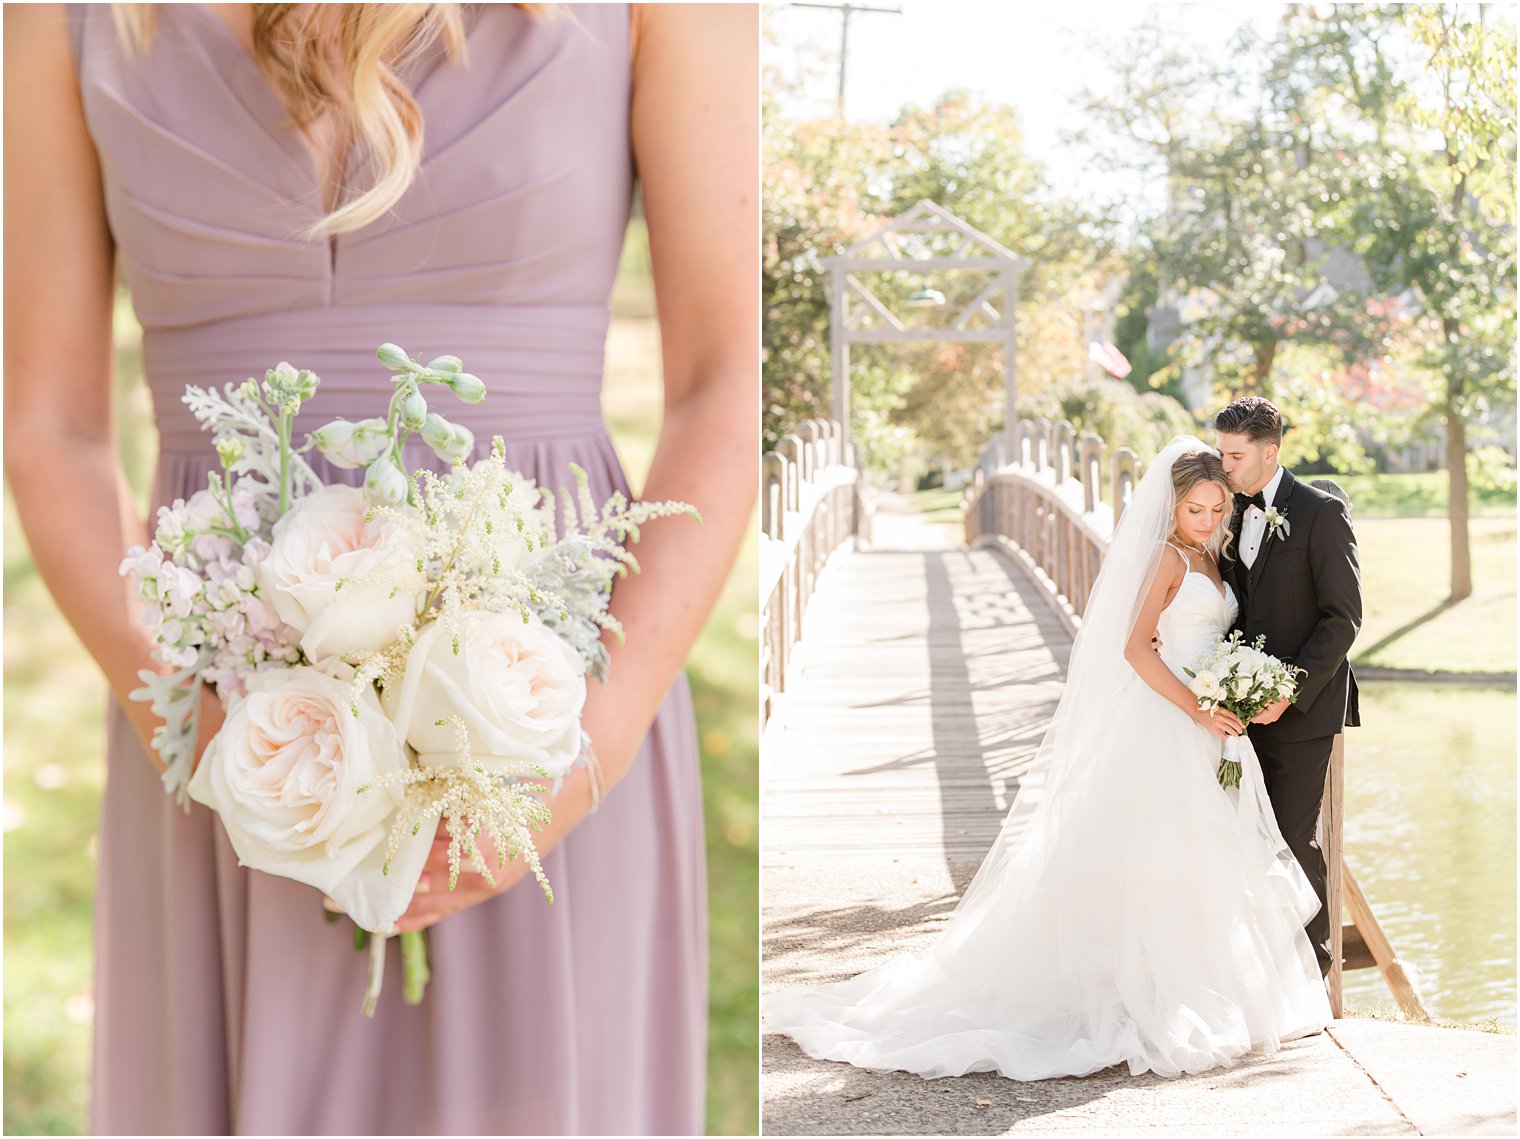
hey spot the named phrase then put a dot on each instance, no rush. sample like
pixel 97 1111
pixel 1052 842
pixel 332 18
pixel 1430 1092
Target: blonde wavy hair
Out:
pixel 1189 471
pixel 344 58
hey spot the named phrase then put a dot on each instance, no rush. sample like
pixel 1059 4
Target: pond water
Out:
pixel 1430 837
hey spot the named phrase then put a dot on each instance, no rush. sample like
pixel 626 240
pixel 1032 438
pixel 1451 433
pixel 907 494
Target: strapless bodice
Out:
pixel 1198 616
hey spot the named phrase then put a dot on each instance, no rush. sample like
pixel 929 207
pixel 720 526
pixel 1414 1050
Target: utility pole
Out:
pixel 846 10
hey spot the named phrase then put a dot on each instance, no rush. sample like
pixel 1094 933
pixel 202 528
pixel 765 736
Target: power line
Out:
pixel 846 10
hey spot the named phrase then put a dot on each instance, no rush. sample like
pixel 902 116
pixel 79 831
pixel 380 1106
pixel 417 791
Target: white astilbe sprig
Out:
pixel 579 569
pixel 470 800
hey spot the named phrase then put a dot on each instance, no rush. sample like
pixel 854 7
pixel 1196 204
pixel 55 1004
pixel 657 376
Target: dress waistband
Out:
pixel 542 365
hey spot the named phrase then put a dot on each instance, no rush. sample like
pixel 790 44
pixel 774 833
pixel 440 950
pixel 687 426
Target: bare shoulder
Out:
pixel 713 31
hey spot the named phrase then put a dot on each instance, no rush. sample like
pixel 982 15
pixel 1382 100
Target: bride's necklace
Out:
pixel 1199 550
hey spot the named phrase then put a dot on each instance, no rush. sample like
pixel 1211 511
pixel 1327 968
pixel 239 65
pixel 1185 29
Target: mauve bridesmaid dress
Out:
pixel 225 1003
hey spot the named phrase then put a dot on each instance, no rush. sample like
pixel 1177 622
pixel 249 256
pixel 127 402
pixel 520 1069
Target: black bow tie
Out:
pixel 1244 500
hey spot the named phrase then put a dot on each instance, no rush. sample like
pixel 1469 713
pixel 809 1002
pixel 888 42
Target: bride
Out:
pixel 1132 910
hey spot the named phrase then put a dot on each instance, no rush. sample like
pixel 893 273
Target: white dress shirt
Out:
pixel 1253 523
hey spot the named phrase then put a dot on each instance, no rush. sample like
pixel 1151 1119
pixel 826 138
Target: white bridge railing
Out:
pixel 810 505
pixel 1044 506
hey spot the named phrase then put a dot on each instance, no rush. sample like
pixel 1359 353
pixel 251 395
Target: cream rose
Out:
pixel 284 775
pixel 324 539
pixel 518 688
pixel 1205 685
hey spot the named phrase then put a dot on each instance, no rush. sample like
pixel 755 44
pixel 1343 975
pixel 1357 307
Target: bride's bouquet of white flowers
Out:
pixel 1242 679
pixel 389 657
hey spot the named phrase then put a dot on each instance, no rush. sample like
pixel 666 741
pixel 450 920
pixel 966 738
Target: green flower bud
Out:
pixel 414 410
pixel 445 364
pixel 393 357
pixel 282 377
pixel 467 387
pixel 333 436
pixel 384 483
pixel 306 383
pixel 229 450
pixel 436 431
pixel 461 443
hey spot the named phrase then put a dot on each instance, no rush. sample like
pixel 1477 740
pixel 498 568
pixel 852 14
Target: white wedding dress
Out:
pixel 1135 912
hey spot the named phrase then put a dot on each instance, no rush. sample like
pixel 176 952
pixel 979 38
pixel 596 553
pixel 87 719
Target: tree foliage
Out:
pixel 829 183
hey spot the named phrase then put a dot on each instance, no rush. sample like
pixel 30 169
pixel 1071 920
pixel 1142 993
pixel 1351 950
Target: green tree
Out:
pixel 1430 148
pixel 827 184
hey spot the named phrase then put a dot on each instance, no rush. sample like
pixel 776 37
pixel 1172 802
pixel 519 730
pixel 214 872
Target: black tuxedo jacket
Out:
pixel 1305 594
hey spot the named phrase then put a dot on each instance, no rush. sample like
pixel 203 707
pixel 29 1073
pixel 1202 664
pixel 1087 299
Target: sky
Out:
pixel 1036 57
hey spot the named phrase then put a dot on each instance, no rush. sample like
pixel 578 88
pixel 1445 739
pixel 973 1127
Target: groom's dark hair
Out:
pixel 1253 417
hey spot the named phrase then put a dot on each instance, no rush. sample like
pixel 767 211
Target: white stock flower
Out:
pixel 284 774
pixel 516 685
pixel 324 540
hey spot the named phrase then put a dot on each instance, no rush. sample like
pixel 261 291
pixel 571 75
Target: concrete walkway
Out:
pixel 929 674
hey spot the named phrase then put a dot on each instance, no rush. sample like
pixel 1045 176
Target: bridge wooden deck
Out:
pixel 928 677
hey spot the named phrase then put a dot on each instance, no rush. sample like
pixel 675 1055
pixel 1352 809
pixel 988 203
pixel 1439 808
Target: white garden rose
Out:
pixel 1205 685
pixel 516 685
pixel 1241 687
pixel 324 540
pixel 284 774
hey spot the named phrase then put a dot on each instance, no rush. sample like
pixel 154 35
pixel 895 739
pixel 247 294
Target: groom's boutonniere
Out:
pixel 1277 523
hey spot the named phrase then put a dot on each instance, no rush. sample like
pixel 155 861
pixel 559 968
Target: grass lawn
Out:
pixel 1406 577
pixel 942 508
pixel 54 745
pixel 1414 494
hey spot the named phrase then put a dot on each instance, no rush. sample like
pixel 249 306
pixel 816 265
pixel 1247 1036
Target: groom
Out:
pixel 1295 574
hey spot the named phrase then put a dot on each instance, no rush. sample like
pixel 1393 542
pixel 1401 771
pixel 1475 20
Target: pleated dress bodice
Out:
pixel 502 251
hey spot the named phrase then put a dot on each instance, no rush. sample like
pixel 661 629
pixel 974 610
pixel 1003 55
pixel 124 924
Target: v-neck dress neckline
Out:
pixel 245 72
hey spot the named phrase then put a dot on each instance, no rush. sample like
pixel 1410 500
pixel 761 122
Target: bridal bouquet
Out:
pixel 389 657
pixel 1242 679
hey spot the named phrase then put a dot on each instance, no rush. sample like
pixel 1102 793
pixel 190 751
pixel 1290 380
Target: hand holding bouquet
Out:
pixel 390 657
pixel 1243 680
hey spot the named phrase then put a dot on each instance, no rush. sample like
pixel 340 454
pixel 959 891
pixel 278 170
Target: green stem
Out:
pixel 454 553
pixel 414 965
pixel 237 532
pixel 285 418
pixel 393 421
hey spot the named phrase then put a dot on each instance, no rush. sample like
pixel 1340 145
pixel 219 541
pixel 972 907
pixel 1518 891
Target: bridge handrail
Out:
pixel 811 503
pixel 1047 508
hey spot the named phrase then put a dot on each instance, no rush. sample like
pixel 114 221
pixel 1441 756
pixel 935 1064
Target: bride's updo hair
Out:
pixel 345 58
pixel 1200 467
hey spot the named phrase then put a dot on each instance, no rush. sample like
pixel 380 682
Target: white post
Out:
pixel 1010 359
pixel 839 351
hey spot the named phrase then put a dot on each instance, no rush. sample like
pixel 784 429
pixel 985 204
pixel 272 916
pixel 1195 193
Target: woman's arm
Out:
pixel 695 127
pixel 60 453
pixel 1152 669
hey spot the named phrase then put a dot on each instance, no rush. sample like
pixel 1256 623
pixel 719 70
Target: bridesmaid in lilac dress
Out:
pixel 225 1003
